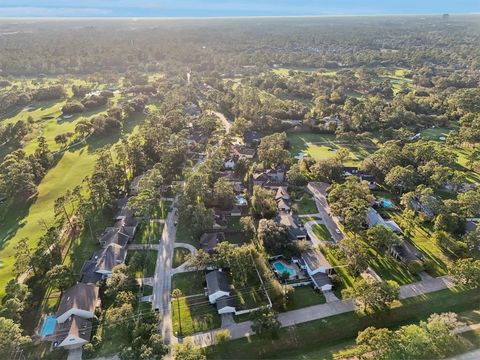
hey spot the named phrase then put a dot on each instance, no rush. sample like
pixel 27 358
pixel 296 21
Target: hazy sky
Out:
pixel 202 8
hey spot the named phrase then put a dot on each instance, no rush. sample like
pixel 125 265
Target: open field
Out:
pixel 194 314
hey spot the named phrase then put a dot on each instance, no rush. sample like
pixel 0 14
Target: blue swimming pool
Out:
pixel 240 200
pixel 48 326
pixel 387 204
pixel 282 268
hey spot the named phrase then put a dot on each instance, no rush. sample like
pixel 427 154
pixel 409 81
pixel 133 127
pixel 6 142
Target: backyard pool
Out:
pixel 387 204
pixel 240 200
pixel 48 326
pixel 282 268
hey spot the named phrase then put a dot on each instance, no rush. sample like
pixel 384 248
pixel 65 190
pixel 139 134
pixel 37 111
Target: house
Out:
pixel 271 178
pixel 422 207
pixel 219 292
pixel 230 163
pixel 244 152
pixel 124 216
pixel 208 241
pixel 284 203
pixel 80 300
pixel 318 268
pixel 370 179
pixel 73 333
pixel 471 224
pixel 295 229
pixel 374 218
pixel 114 235
pixel 102 263
pixel 252 138
pixel 350 171
pixel 406 252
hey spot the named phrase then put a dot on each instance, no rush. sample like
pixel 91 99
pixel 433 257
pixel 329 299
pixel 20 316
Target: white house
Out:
pixel 229 164
pixel 226 305
pixel 217 285
pixel 318 268
pixel 80 300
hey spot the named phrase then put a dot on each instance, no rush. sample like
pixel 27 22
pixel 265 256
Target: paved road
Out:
pixel 224 120
pixel 162 280
pixel 321 311
pixel 319 191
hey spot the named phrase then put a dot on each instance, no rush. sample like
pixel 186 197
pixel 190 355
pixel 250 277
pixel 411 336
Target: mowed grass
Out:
pixel 319 335
pixel 324 146
pixel 23 222
pixel 180 255
pixel 147 266
pixel 193 314
pixel 322 232
pixel 305 296
pixel 189 283
pixel 305 205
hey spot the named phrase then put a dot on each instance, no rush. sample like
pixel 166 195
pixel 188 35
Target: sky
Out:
pixel 227 8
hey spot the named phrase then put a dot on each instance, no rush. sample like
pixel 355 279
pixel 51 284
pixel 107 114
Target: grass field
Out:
pixel 320 336
pixel 305 205
pixel 147 266
pixel 189 283
pixel 194 314
pixel 25 220
pixel 322 232
pixel 324 146
pixel 141 237
pixel 179 256
pixel 305 296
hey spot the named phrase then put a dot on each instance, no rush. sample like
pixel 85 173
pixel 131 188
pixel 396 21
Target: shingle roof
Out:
pixel 208 241
pixel 315 259
pixel 75 326
pixel 225 301
pixel 217 281
pixel 80 296
pixel 321 279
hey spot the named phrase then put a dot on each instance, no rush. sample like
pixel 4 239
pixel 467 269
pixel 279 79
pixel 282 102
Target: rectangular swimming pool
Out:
pixel 48 326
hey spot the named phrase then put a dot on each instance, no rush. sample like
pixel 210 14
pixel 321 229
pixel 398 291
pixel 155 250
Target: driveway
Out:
pixel 319 192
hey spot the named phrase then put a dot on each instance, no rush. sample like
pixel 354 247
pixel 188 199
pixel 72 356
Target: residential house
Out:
pixel 374 218
pixel 208 241
pixel 421 206
pixel 271 178
pixel 244 152
pixel 80 300
pixel 406 252
pixel 114 235
pixel 370 179
pixel 252 138
pixel 318 268
pixel 73 333
pixel 284 203
pixel 231 162
pixel 219 292
pixel 101 265
pixel 295 229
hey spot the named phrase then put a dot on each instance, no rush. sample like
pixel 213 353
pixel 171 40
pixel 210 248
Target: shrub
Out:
pixel 415 266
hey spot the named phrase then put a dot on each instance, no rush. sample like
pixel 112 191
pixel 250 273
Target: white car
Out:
pixel 338 231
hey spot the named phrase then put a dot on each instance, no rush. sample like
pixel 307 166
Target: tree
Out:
pixel 187 351
pixel 402 179
pixel 265 323
pixel 272 152
pixel 61 277
pixel 23 257
pixel 355 253
pixel 223 193
pixel 177 294
pixel 382 238
pixel 466 272
pixel 263 202
pixel 409 222
pixel 11 338
pixel 373 295
pixel 122 279
pixel 350 201
pixel 295 176
pixel 121 316
pixel 273 236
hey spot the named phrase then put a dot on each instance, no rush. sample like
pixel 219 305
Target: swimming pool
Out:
pixel 387 204
pixel 240 200
pixel 282 268
pixel 48 327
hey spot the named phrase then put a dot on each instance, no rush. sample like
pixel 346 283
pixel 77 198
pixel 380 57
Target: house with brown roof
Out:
pixel 80 300
pixel 73 333
pixel 284 203
pixel 295 229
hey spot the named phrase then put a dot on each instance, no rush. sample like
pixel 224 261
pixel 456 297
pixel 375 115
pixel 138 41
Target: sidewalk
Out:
pixel 321 311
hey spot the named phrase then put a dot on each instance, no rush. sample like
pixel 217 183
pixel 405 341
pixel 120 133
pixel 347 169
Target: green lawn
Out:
pixel 305 205
pixel 179 256
pixel 390 269
pixel 322 232
pixel 184 234
pixel 146 268
pixel 305 296
pixel 141 237
pixel 190 283
pixel 194 314
pixel 319 335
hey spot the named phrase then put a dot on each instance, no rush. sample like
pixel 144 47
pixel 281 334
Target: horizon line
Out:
pixel 228 17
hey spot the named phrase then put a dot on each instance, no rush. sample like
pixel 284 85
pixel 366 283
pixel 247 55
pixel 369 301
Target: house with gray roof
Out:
pixel 208 241
pixel 294 226
pixel 284 203
pixel 73 333
pixel 102 263
pixel 374 218
pixel 80 300
pixel 217 285
pixel 318 268
pixel 406 252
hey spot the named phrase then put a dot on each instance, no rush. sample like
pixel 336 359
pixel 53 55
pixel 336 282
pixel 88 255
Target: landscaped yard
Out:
pixel 184 234
pixel 144 264
pixel 180 255
pixel 196 314
pixel 189 283
pixel 305 296
pixel 305 205
pixel 141 237
pixel 390 269
pixel 320 335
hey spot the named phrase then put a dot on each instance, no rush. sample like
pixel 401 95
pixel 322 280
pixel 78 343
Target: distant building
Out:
pixel 252 138
pixel 374 218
